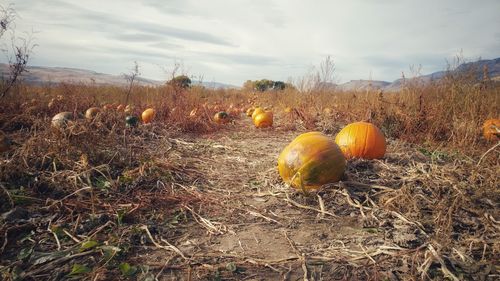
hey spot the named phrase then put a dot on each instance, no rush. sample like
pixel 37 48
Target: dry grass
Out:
pixel 135 191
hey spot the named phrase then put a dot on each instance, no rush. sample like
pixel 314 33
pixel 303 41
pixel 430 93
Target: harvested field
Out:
pixel 99 201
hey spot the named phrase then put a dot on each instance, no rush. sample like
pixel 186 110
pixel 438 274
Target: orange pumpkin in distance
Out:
pixel 148 115
pixel 257 111
pixel 263 120
pixel 310 161
pixel 361 140
pixel 221 117
pixel 92 112
pixel 491 129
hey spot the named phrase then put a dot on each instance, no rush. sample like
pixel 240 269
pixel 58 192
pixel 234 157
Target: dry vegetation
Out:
pixel 187 199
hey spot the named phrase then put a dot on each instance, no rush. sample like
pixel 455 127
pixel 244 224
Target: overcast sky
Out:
pixel 234 40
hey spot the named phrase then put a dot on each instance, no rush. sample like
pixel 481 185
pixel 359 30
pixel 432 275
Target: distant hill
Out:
pixel 362 85
pixel 42 75
pixel 39 75
pixel 493 66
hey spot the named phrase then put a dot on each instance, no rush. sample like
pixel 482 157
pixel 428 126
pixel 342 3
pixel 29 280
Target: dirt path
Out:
pixel 255 232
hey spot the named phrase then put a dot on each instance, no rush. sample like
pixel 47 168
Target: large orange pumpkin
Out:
pixel 310 161
pixel 257 111
pixel 491 129
pixel 361 140
pixel 148 115
pixel 221 117
pixel 92 112
pixel 263 120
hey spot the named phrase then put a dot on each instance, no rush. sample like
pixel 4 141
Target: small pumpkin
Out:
pixel 491 129
pixel 257 111
pixel 310 161
pixel 61 120
pixel 263 120
pixel 131 121
pixel 148 115
pixel 92 112
pixel 361 140
pixel 250 111
pixel 221 117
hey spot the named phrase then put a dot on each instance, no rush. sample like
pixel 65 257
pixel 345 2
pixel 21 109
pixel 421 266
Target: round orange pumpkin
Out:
pixel 310 161
pixel 221 117
pixel 257 111
pixel 148 115
pixel 92 112
pixel 491 129
pixel 361 140
pixel 263 120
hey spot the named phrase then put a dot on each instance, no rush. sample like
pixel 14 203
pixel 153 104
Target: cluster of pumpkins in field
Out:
pixel 61 119
pixel 262 117
pixel 313 159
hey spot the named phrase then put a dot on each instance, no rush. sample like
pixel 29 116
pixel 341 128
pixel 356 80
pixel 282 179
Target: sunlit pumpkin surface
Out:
pixel 491 129
pixel 361 140
pixel 257 111
pixel 148 115
pixel 310 161
pixel 263 120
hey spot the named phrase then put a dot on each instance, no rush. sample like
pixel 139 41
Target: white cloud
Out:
pixel 232 41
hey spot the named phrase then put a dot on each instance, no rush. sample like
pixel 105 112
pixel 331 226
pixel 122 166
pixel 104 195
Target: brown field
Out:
pixel 184 198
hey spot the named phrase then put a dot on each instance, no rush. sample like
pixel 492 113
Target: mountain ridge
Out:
pixel 39 75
